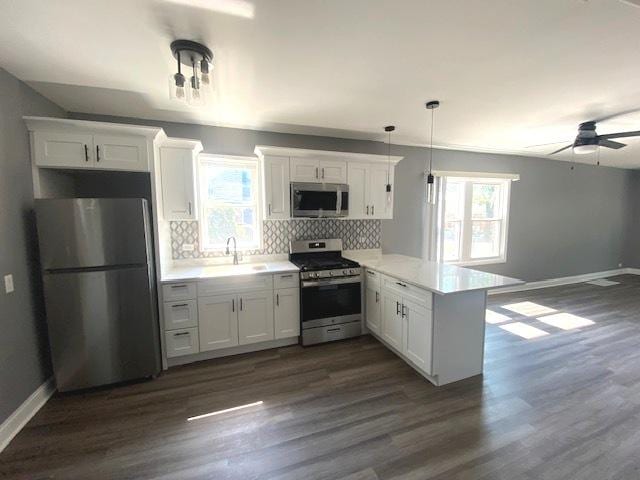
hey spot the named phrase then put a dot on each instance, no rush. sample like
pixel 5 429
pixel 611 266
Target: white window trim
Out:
pixel 230 160
pixel 439 217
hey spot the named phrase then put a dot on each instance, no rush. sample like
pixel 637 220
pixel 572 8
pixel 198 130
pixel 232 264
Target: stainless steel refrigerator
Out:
pixel 99 287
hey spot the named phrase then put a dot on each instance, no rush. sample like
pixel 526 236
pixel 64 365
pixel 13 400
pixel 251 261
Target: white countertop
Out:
pixel 439 278
pixel 186 273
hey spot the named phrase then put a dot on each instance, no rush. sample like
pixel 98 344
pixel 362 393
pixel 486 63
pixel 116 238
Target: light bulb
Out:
pixel 177 87
pixel 205 77
pixel 389 196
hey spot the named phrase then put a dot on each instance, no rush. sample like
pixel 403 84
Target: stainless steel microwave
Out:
pixel 319 200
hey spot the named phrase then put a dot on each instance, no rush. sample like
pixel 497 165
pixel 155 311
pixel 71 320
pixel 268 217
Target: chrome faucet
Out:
pixel 235 250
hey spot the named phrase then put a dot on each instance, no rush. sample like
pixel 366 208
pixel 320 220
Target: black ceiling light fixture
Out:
pixel 389 129
pixel 199 58
pixel 432 105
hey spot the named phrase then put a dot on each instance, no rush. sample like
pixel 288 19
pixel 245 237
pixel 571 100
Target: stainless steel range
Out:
pixel 330 295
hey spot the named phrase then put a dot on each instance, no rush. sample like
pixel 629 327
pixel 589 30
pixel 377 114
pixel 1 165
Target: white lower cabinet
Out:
pixel 401 316
pixel 418 327
pixel 287 313
pixel 255 317
pixel 373 311
pixel 217 322
pixel 181 342
pixel 392 323
pixel 227 312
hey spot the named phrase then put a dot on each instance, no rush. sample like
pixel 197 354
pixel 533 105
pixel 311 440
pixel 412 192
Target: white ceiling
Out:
pixel 509 73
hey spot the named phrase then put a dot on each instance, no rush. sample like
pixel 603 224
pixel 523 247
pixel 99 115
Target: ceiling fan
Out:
pixel 588 140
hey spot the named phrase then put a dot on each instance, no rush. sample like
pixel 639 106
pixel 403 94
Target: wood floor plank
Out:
pixel 562 406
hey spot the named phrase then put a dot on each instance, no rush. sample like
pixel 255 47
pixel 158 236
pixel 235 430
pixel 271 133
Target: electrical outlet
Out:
pixel 8 283
pixel 188 247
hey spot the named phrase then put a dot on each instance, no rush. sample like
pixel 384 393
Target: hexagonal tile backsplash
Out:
pixel 276 234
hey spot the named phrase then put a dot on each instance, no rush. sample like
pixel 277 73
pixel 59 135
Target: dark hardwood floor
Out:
pixel 565 405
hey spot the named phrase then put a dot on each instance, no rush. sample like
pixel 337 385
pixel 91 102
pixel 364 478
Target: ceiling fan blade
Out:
pixel 561 149
pixel 546 144
pixel 610 144
pixel 620 135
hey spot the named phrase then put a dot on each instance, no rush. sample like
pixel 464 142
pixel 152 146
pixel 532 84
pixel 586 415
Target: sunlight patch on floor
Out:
pixel 523 330
pixel 226 410
pixel 529 309
pixel 495 317
pixel 566 321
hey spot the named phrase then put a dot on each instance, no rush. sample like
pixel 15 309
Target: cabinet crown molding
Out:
pixel 262 150
pixel 70 125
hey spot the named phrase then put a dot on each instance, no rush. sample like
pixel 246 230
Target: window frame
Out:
pixel 467 220
pixel 227 160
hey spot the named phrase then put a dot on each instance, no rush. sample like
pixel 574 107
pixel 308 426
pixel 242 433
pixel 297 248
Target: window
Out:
pixel 229 202
pixel 474 216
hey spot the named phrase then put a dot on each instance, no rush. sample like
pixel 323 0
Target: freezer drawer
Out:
pixel 103 326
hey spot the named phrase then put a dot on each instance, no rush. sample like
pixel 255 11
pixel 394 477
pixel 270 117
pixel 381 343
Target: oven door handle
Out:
pixel 329 281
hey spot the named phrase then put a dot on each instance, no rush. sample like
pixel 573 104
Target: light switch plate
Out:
pixel 8 283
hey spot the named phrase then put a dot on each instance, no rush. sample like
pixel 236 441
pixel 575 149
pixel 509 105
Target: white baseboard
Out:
pixel 18 419
pixel 555 282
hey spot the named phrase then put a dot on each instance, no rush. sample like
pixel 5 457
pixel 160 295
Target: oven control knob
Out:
pixel 345 272
pixel 354 271
pixel 313 275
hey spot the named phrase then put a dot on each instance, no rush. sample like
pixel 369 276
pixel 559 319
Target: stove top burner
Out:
pixel 319 263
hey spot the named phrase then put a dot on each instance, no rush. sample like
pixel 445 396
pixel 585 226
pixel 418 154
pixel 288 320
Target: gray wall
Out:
pixel 562 222
pixel 632 239
pixel 24 357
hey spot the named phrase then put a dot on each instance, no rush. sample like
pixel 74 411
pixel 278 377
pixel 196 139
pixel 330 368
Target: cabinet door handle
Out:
pixel 401 284
pixel 86 153
pixel 180 334
pixel 322 172
pixel 269 209
pixel 403 308
pixel 178 286
pixel 233 304
pixel 372 208
pixel 97 153
pixel 367 209
pixel 277 299
pixel 179 305
pixel 189 205
pixel 316 172
pixel 371 272
pixel 240 303
pixel 397 308
pixel 286 276
pixel 377 297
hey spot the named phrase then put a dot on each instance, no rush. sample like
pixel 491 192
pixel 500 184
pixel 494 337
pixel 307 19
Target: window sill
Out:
pixel 477 263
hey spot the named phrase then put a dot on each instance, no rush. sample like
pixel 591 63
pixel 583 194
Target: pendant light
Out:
pixel 389 196
pixel 430 179
pixel 198 57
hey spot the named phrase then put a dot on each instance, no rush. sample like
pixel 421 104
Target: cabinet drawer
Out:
pixel 410 292
pixel 286 280
pixel 182 342
pixel 180 314
pixel 178 291
pixel 239 284
pixel 373 279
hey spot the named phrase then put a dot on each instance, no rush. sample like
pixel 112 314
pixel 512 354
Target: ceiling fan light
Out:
pixel 585 149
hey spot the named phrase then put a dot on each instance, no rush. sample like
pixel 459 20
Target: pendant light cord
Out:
pixel 431 143
pixel 389 159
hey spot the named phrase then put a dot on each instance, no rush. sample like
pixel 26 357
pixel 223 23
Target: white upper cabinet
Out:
pixel 119 152
pixel 277 205
pixel 305 170
pixel 359 175
pixel 64 143
pixel 379 206
pixel 368 190
pixel 53 149
pixel 314 170
pixel 333 171
pixel 178 180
